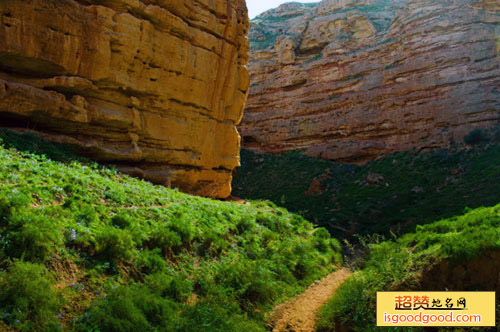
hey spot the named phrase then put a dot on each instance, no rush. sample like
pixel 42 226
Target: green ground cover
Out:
pixel 85 248
pixel 409 188
pixel 403 264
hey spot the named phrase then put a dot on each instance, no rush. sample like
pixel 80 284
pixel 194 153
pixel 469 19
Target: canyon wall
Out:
pixel 155 87
pixel 349 80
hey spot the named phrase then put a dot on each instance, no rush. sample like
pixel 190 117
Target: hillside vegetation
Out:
pixel 84 248
pixel 437 256
pixel 392 194
pixel 440 210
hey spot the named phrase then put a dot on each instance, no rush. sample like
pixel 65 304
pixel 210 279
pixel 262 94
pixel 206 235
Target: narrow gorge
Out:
pixel 173 166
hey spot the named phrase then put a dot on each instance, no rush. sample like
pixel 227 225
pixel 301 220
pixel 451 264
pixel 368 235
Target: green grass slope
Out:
pixel 394 193
pixel 84 248
pixel 438 256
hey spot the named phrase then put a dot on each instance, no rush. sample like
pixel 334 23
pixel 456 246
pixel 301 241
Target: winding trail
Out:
pixel 300 313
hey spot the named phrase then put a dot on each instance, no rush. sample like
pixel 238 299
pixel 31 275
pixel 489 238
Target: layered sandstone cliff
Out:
pixel 352 79
pixel 155 87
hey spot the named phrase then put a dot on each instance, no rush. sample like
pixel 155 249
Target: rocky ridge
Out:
pixel 350 80
pixel 154 87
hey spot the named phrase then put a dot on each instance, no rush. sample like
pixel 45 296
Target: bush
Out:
pixel 164 238
pixel 351 303
pixel 28 299
pixel 33 236
pixel 475 137
pixel 210 317
pixel 121 220
pixel 11 203
pixel 245 224
pixel 496 134
pixel 306 261
pixel 213 241
pixel 85 214
pixel 114 244
pixel 250 281
pixel 130 308
pixel 181 224
pixel 322 239
pixel 150 261
pixel 177 287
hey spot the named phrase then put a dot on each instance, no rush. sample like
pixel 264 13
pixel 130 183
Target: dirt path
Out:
pixel 299 314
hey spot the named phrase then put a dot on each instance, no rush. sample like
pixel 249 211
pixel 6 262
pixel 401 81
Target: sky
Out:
pixel 255 7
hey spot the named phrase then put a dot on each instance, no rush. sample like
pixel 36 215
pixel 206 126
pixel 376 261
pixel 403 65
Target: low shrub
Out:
pixel 165 238
pixel 32 236
pixel 28 300
pixel 114 244
pixel 496 134
pixel 178 287
pixel 121 220
pixel 476 136
pixel 249 281
pixel 212 317
pixel 130 308
pixel 150 261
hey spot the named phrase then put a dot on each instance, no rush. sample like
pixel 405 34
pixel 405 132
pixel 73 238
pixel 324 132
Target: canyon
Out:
pixel 155 88
pixel 350 80
pixel 158 89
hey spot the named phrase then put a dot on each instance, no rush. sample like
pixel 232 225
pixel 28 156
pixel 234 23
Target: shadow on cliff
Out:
pixel 27 141
pixel 388 196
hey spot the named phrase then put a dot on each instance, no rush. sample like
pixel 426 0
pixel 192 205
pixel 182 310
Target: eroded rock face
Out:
pixel 352 79
pixel 155 87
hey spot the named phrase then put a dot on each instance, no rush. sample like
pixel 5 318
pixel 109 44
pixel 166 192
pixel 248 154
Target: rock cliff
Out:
pixel 349 79
pixel 155 87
